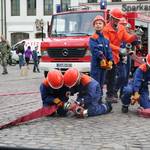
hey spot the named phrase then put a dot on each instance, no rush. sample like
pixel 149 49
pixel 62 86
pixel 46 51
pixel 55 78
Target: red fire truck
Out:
pixel 67 45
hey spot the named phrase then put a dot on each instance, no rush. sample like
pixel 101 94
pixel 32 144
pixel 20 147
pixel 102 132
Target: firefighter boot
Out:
pixel 109 107
pixel 124 109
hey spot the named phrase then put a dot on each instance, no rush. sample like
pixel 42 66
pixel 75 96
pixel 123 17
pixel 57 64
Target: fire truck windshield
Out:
pixel 74 24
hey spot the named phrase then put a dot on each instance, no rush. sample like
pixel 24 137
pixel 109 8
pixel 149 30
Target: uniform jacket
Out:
pixel 48 94
pixel 89 90
pixel 116 38
pixel 141 78
pixel 98 44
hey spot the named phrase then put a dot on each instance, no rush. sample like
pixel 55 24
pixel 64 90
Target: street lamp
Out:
pixel 40 26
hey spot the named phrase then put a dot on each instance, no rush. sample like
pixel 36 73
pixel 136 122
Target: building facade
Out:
pixel 22 19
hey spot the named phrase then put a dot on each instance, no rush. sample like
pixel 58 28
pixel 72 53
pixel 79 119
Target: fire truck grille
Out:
pixel 66 52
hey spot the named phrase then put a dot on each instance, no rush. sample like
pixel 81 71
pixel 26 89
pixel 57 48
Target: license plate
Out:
pixel 61 65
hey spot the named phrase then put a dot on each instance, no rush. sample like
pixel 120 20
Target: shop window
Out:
pixel 92 1
pixel 48 7
pixel 65 4
pixel 18 36
pixel 31 7
pixel 15 7
pixel 39 35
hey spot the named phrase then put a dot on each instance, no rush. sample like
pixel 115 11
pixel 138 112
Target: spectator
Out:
pixel 35 60
pixel 28 54
pixel 4 54
pixel 20 52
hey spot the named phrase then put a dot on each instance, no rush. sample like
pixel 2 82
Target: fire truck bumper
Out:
pixel 82 66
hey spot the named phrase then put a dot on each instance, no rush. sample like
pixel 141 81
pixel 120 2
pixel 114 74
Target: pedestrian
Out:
pixel 35 60
pixel 101 53
pixel 39 55
pixel 4 54
pixel 116 34
pixel 89 93
pixel 137 89
pixel 53 91
pixel 20 52
pixel 28 54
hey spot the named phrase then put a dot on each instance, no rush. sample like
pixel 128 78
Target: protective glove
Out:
pixel 58 102
pixel 135 98
pixel 109 64
pixel 103 63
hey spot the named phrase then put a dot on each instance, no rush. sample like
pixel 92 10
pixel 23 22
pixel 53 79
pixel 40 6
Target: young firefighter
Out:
pixel 116 34
pixel 123 67
pixel 53 91
pixel 137 90
pixel 89 93
pixel 101 52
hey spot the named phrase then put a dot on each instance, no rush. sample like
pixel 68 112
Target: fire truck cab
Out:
pixel 67 45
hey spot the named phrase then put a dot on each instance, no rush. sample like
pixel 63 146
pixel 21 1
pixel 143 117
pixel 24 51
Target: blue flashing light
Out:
pixel 103 4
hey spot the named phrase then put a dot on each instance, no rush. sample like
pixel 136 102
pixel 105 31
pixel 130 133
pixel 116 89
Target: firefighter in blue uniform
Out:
pixel 89 93
pixel 101 52
pixel 53 91
pixel 137 89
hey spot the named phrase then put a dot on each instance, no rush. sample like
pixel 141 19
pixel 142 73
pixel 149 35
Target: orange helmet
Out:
pixel 148 59
pixel 71 77
pixel 116 13
pixel 55 79
pixel 123 21
pixel 98 18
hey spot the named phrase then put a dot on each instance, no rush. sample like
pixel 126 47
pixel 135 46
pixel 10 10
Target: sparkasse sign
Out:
pixel 138 7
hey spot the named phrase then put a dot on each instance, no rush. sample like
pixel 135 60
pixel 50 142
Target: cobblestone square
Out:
pixel 114 131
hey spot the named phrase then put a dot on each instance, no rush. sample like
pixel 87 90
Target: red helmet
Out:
pixel 123 21
pixel 148 59
pixel 116 13
pixel 71 77
pixel 55 79
pixel 98 18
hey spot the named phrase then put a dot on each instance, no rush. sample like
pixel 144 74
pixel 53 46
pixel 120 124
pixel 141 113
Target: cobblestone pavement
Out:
pixel 114 131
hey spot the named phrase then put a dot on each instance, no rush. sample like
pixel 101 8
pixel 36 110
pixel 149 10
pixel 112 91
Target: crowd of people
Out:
pixel 110 65
pixel 111 51
pixel 24 55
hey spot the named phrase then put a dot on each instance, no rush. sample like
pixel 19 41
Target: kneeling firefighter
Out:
pixel 89 93
pixel 137 90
